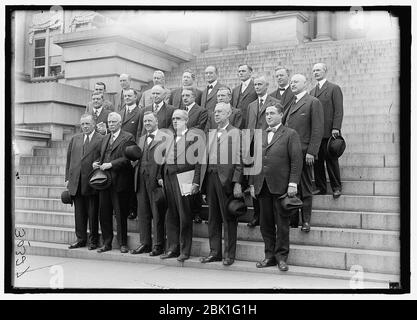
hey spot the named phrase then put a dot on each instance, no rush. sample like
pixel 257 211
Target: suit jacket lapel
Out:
pixel 277 135
pixel 130 115
pixel 117 141
pixel 211 95
pixel 323 88
pixel 299 104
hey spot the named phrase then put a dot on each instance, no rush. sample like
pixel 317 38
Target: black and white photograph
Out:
pixel 208 149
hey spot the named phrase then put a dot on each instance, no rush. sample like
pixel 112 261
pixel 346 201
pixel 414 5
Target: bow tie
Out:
pixel 210 87
pixel 150 135
pixel 269 129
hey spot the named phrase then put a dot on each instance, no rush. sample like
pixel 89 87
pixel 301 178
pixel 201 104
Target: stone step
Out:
pixel 357 203
pixel 45 151
pixel 376 147
pixel 369 173
pixel 369 159
pixel 59 144
pixel 61 250
pixel 322 202
pixel 320 236
pixel 320 218
pixel 370 128
pixel 371 119
pixel 368 138
pixel 389 188
pixel 301 255
pixel 43 160
pixel 39 191
pixel 42 169
pixel 44 180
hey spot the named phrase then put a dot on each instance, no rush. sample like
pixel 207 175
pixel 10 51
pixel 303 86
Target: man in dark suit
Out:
pixel 125 83
pixel 116 197
pixel 197 115
pixel 99 113
pixel 197 118
pixel 146 101
pixel 283 93
pixel 175 99
pixel 99 87
pixel 282 162
pixel 244 93
pixel 148 178
pixel 236 118
pixel 305 115
pixel 221 183
pixel 331 98
pixel 209 96
pixel 130 114
pixel 83 149
pixel 256 120
pixel 179 224
pixel 162 110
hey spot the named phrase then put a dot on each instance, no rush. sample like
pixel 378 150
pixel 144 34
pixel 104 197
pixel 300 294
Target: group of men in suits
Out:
pixel 293 123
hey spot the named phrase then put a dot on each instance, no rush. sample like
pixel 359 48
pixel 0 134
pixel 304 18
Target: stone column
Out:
pixel 19 42
pixel 323 26
pixel 214 40
pixel 233 32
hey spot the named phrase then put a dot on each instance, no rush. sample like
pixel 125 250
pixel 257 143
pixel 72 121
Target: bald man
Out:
pixel 146 100
pixel 305 115
pixel 160 107
pixel 331 98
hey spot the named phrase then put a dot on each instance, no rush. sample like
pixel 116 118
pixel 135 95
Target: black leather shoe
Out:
pixel 92 246
pixel 318 191
pixel 210 259
pixel 266 263
pixel 104 249
pixel 337 194
pixel 124 249
pixel 253 223
pixel 143 248
pixel 169 254
pixel 305 227
pixel 282 265
pixel 76 245
pixel 132 216
pixel 228 261
pixel 156 252
pixel 197 219
pixel 183 257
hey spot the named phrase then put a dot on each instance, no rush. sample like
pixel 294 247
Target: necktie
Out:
pixel 112 139
pixel 149 138
pixel 96 113
pixel 209 88
pixel 86 142
pixel 155 108
pixel 243 88
pixel 261 103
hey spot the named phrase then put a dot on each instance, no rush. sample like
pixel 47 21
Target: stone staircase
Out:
pixel 358 231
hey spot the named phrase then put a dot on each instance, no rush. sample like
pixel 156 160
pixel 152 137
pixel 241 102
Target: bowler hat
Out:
pixel 66 197
pixel 290 203
pixel 99 179
pixel 132 151
pixel 237 207
pixel 336 146
pixel 158 196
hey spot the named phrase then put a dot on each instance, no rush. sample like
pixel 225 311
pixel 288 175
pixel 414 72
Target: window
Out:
pixel 39 60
